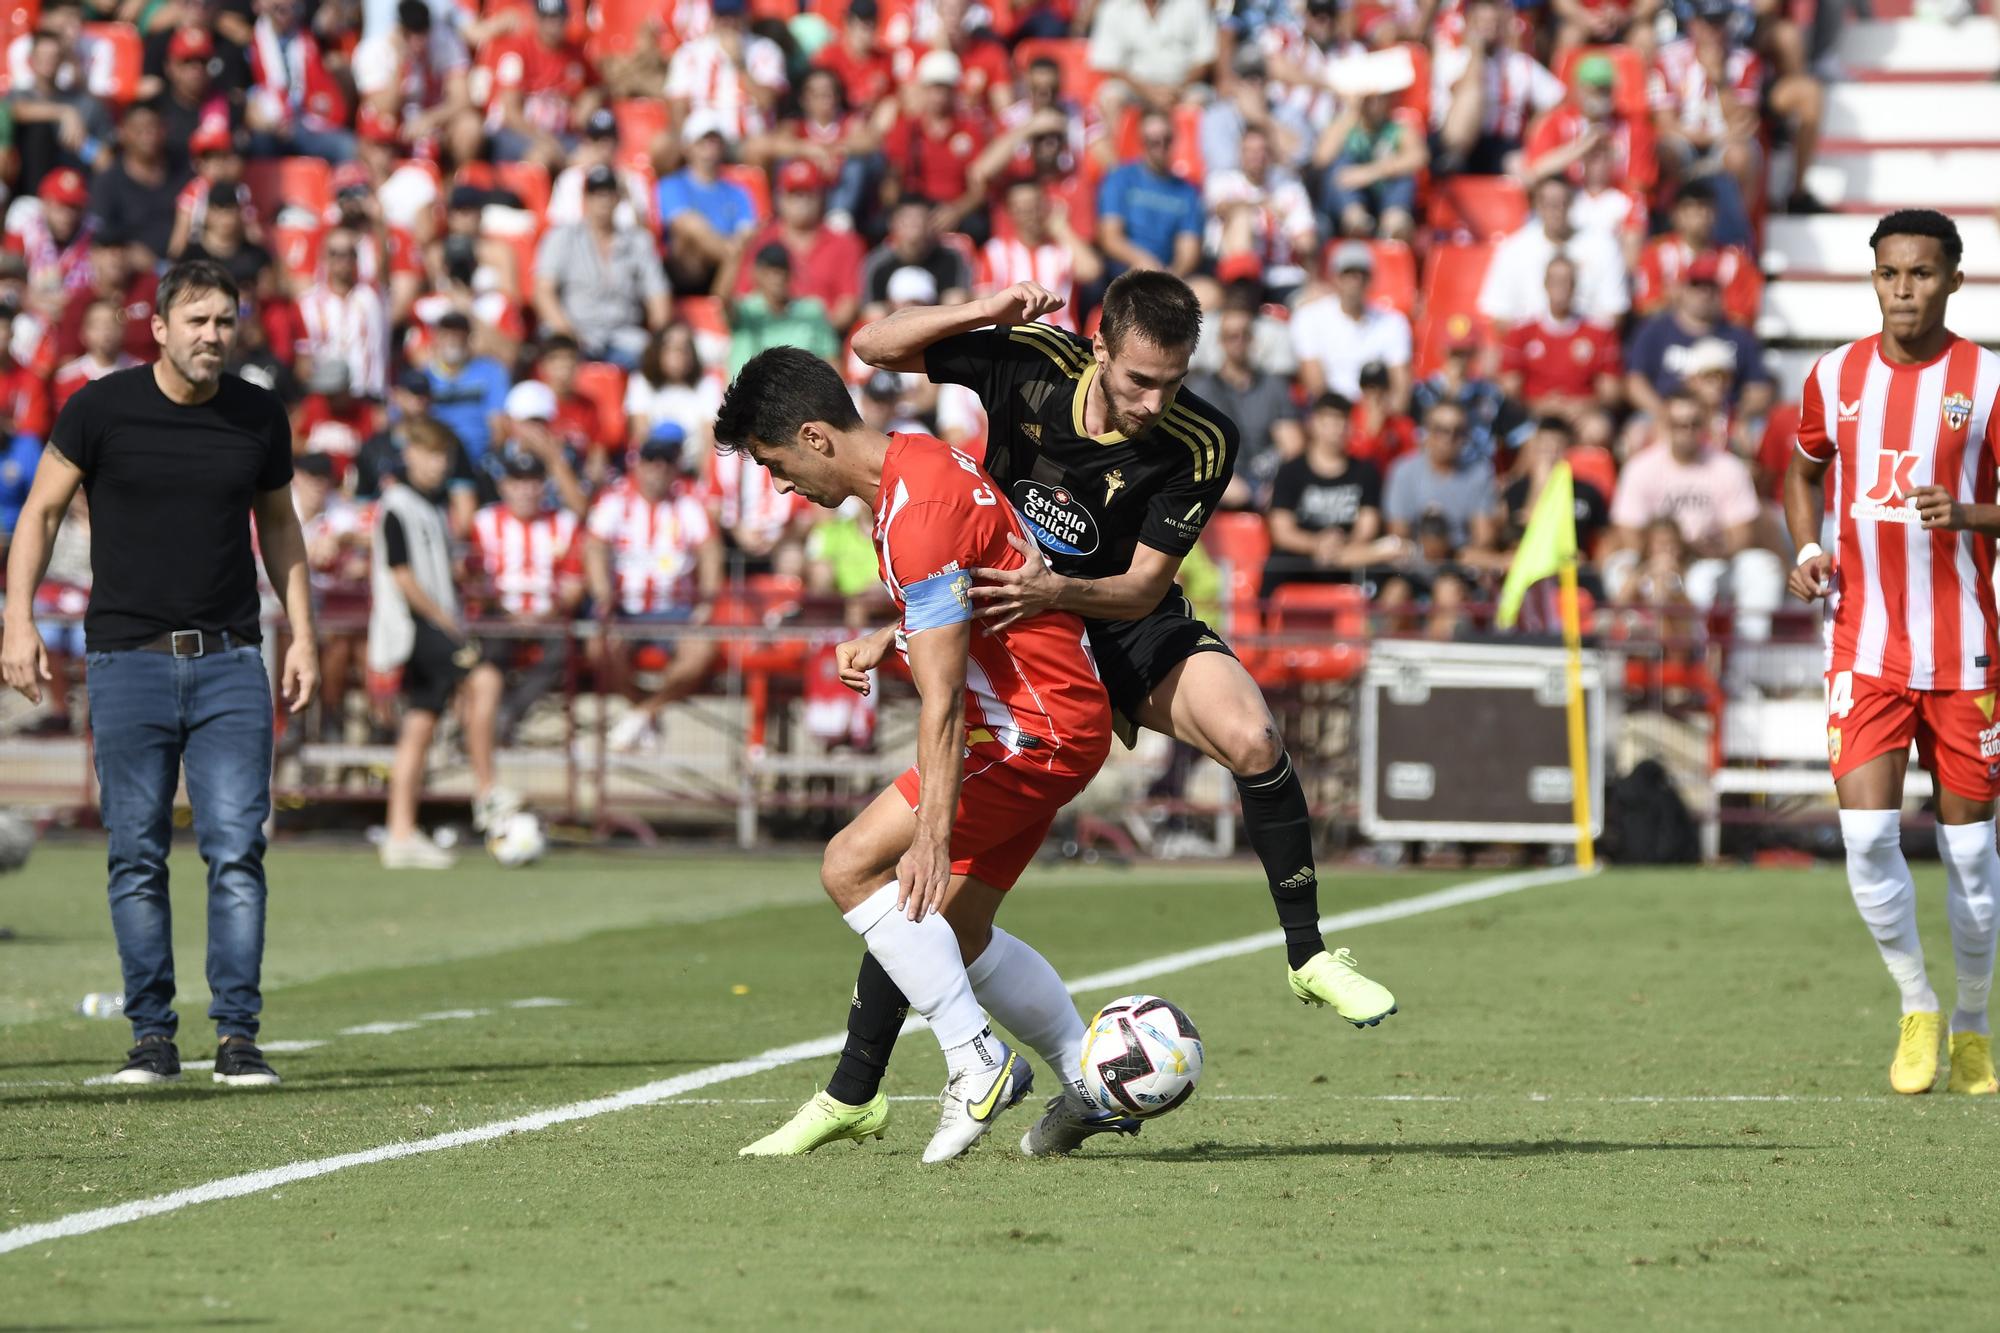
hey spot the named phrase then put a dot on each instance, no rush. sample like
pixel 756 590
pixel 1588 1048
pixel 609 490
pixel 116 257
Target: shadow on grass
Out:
pixel 197 1085
pixel 1519 1148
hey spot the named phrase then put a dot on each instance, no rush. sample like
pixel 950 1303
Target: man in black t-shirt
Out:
pixel 177 457
pixel 1114 468
pixel 1326 508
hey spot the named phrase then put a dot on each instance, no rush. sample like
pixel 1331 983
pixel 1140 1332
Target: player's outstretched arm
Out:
pixel 897 342
pixel 1803 508
pixel 937 668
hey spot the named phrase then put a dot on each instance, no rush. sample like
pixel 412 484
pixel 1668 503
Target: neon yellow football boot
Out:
pixel 1331 978
pixel 1914 1069
pixel 822 1121
pixel 1972 1065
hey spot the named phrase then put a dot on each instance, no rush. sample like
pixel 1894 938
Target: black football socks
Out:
pixel 874 1017
pixel 1280 832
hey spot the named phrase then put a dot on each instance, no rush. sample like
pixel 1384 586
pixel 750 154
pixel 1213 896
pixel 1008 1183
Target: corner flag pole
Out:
pixel 1579 742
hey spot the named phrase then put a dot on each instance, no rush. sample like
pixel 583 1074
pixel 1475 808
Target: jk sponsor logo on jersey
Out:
pixel 1885 501
pixel 1057 519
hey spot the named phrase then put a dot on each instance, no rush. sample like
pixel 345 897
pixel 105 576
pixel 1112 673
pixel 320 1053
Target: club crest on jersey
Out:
pixel 1054 518
pixel 1957 410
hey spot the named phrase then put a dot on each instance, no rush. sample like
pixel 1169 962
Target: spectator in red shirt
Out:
pixel 1664 264
pixel 862 67
pixel 841 142
pixel 931 150
pixel 24 398
pixel 1377 433
pixel 130 293
pixel 544 89
pixel 296 105
pixel 102 330
pixel 1561 139
pixel 1561 363
pixel 577 423
pixel 330 420
pixel 826 264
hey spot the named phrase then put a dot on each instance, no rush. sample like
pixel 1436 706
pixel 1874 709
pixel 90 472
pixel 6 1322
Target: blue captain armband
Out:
pixel 942 599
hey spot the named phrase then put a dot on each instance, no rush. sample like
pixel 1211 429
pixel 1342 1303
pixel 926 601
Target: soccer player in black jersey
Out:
pixel 1113 468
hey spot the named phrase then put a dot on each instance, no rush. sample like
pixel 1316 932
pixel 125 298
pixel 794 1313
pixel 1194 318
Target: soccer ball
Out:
pixel 1141 1056
pixel 517 840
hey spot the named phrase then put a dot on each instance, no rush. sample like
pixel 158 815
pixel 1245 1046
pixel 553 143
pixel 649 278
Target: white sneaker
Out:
pixel 416 853
pixel 634 731
pixel 973 1100
pixel 494 806
pixel 1065 1125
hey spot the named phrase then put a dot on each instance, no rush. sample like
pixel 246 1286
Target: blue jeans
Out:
pixel 149 715
pixel 1394 192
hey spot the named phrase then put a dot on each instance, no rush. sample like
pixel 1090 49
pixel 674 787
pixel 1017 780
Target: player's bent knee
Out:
pixel 1254 748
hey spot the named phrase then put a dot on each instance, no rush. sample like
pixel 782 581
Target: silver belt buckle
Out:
pixel 200 647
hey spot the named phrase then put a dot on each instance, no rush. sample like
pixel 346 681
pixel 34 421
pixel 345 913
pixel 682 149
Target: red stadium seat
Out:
pixel 297 249
pixel 703 314
pixel 1451 299
pixel 1337 609
pixel 1417 97
pixel 604 384
pixel 618 26
pixel 640 121
pixel 1628 89
pixel 1594 464
pixel 277 184
pixel 523 244
pixel 756 182
pixel 1486 207
pixel 117 60
pixel 529 180
pixel 1079 81
pixel 1240 544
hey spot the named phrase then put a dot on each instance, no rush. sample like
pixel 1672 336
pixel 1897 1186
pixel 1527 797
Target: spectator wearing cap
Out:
pixel 346 319
pixel 296 106
pixel 856 59
pixel 1514 289
pixel 414 74
pixel 730 71
pixel 102 331
pixel 1259 404
pixel 1587 121
pixel 1325 507
pixel 380 461
pixel 1334 336
pixel 1493 424
pixel 468 393
pixel 653 560
pixel 1263 219
pixel 1151 52
pixel 1378 432
pixel 1250 101
pixel 882 404
pixel 1664 264
pixel 131 290
pixel 1656 358
pixel 670 385
pixel 931 147
pixel 703 218
pixel 1561 363
pixel 218 167
pixel 53 243
pixel 1043 248
pixel 1708 493
pixel 331 420
pixel 1367 159
pixel 911 243
pixel 599 283
pixel 1484 91
pixel 771 315
pixel 909 288
pixel 826 263
pixel 844 144
pixel 531 430
pixel 57 123
pixel 1147 216
pixel 191 102
pixel 405 193
pixel 544 89
pixel 222 235
pixel 1709 373
pixel 134 196
pixel 597 148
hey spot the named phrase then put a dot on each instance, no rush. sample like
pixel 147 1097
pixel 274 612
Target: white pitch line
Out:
pixel 650 1094
pixel 1529 1098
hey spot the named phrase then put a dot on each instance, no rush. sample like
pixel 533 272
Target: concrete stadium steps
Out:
pixel 1826 313
pixel 1837 246
pixel 1864 116
pixel 1949 178
pixel 1914 49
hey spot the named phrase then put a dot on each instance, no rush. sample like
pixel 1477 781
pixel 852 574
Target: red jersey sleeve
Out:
pixel 1814 442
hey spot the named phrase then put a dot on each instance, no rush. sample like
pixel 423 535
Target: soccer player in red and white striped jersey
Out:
pixel 1905 424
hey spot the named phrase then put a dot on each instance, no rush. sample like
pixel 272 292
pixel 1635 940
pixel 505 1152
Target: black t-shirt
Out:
pixel 244 268
pixel 1088 501
pixel 1326 502
pixel 1592 513
pixel 136 211
pixel 171 489
pixel 946 266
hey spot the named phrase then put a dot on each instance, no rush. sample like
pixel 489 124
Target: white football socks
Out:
pixel 1972 877
pixel 1887 898
pixel 922 958
pixel 1026 996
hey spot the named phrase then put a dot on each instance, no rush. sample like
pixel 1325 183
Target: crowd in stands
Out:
pixel 546 231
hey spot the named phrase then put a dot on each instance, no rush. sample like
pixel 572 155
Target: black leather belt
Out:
pixel 194 643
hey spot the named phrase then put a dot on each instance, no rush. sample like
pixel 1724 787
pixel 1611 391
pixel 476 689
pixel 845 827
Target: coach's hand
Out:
pixel 1935 507
pixel 922 876
pixel 24 661
pixel 857 657
pixel 1023 303
pixel 1811 578
pixel 1008 595
pixel 301 678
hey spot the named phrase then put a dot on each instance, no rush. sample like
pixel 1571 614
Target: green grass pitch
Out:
pixel 1651 1099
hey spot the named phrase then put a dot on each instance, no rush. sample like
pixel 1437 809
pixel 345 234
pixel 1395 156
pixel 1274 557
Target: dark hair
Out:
pixel 1333 402
pixel 191 278
pixel 1922 222
pixel 1045 62
pixel 558 342
pixel 1156 305
pixel 1560 425
pixel 778 391
pixel 1696 191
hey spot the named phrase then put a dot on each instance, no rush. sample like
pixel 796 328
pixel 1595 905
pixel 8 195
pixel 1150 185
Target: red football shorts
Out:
pixel 1004 812
pixel 1955 731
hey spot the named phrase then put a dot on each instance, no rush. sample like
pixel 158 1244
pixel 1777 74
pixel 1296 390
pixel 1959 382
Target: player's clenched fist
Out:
pixel 1023 303
pixel 857 657
pixel 1936 508
pixel 1811 578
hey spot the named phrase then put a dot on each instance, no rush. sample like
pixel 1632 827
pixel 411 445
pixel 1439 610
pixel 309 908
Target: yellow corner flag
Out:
pixel 1547 545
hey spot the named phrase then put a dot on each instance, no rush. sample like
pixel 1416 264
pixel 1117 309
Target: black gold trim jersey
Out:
pixel 1087 500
